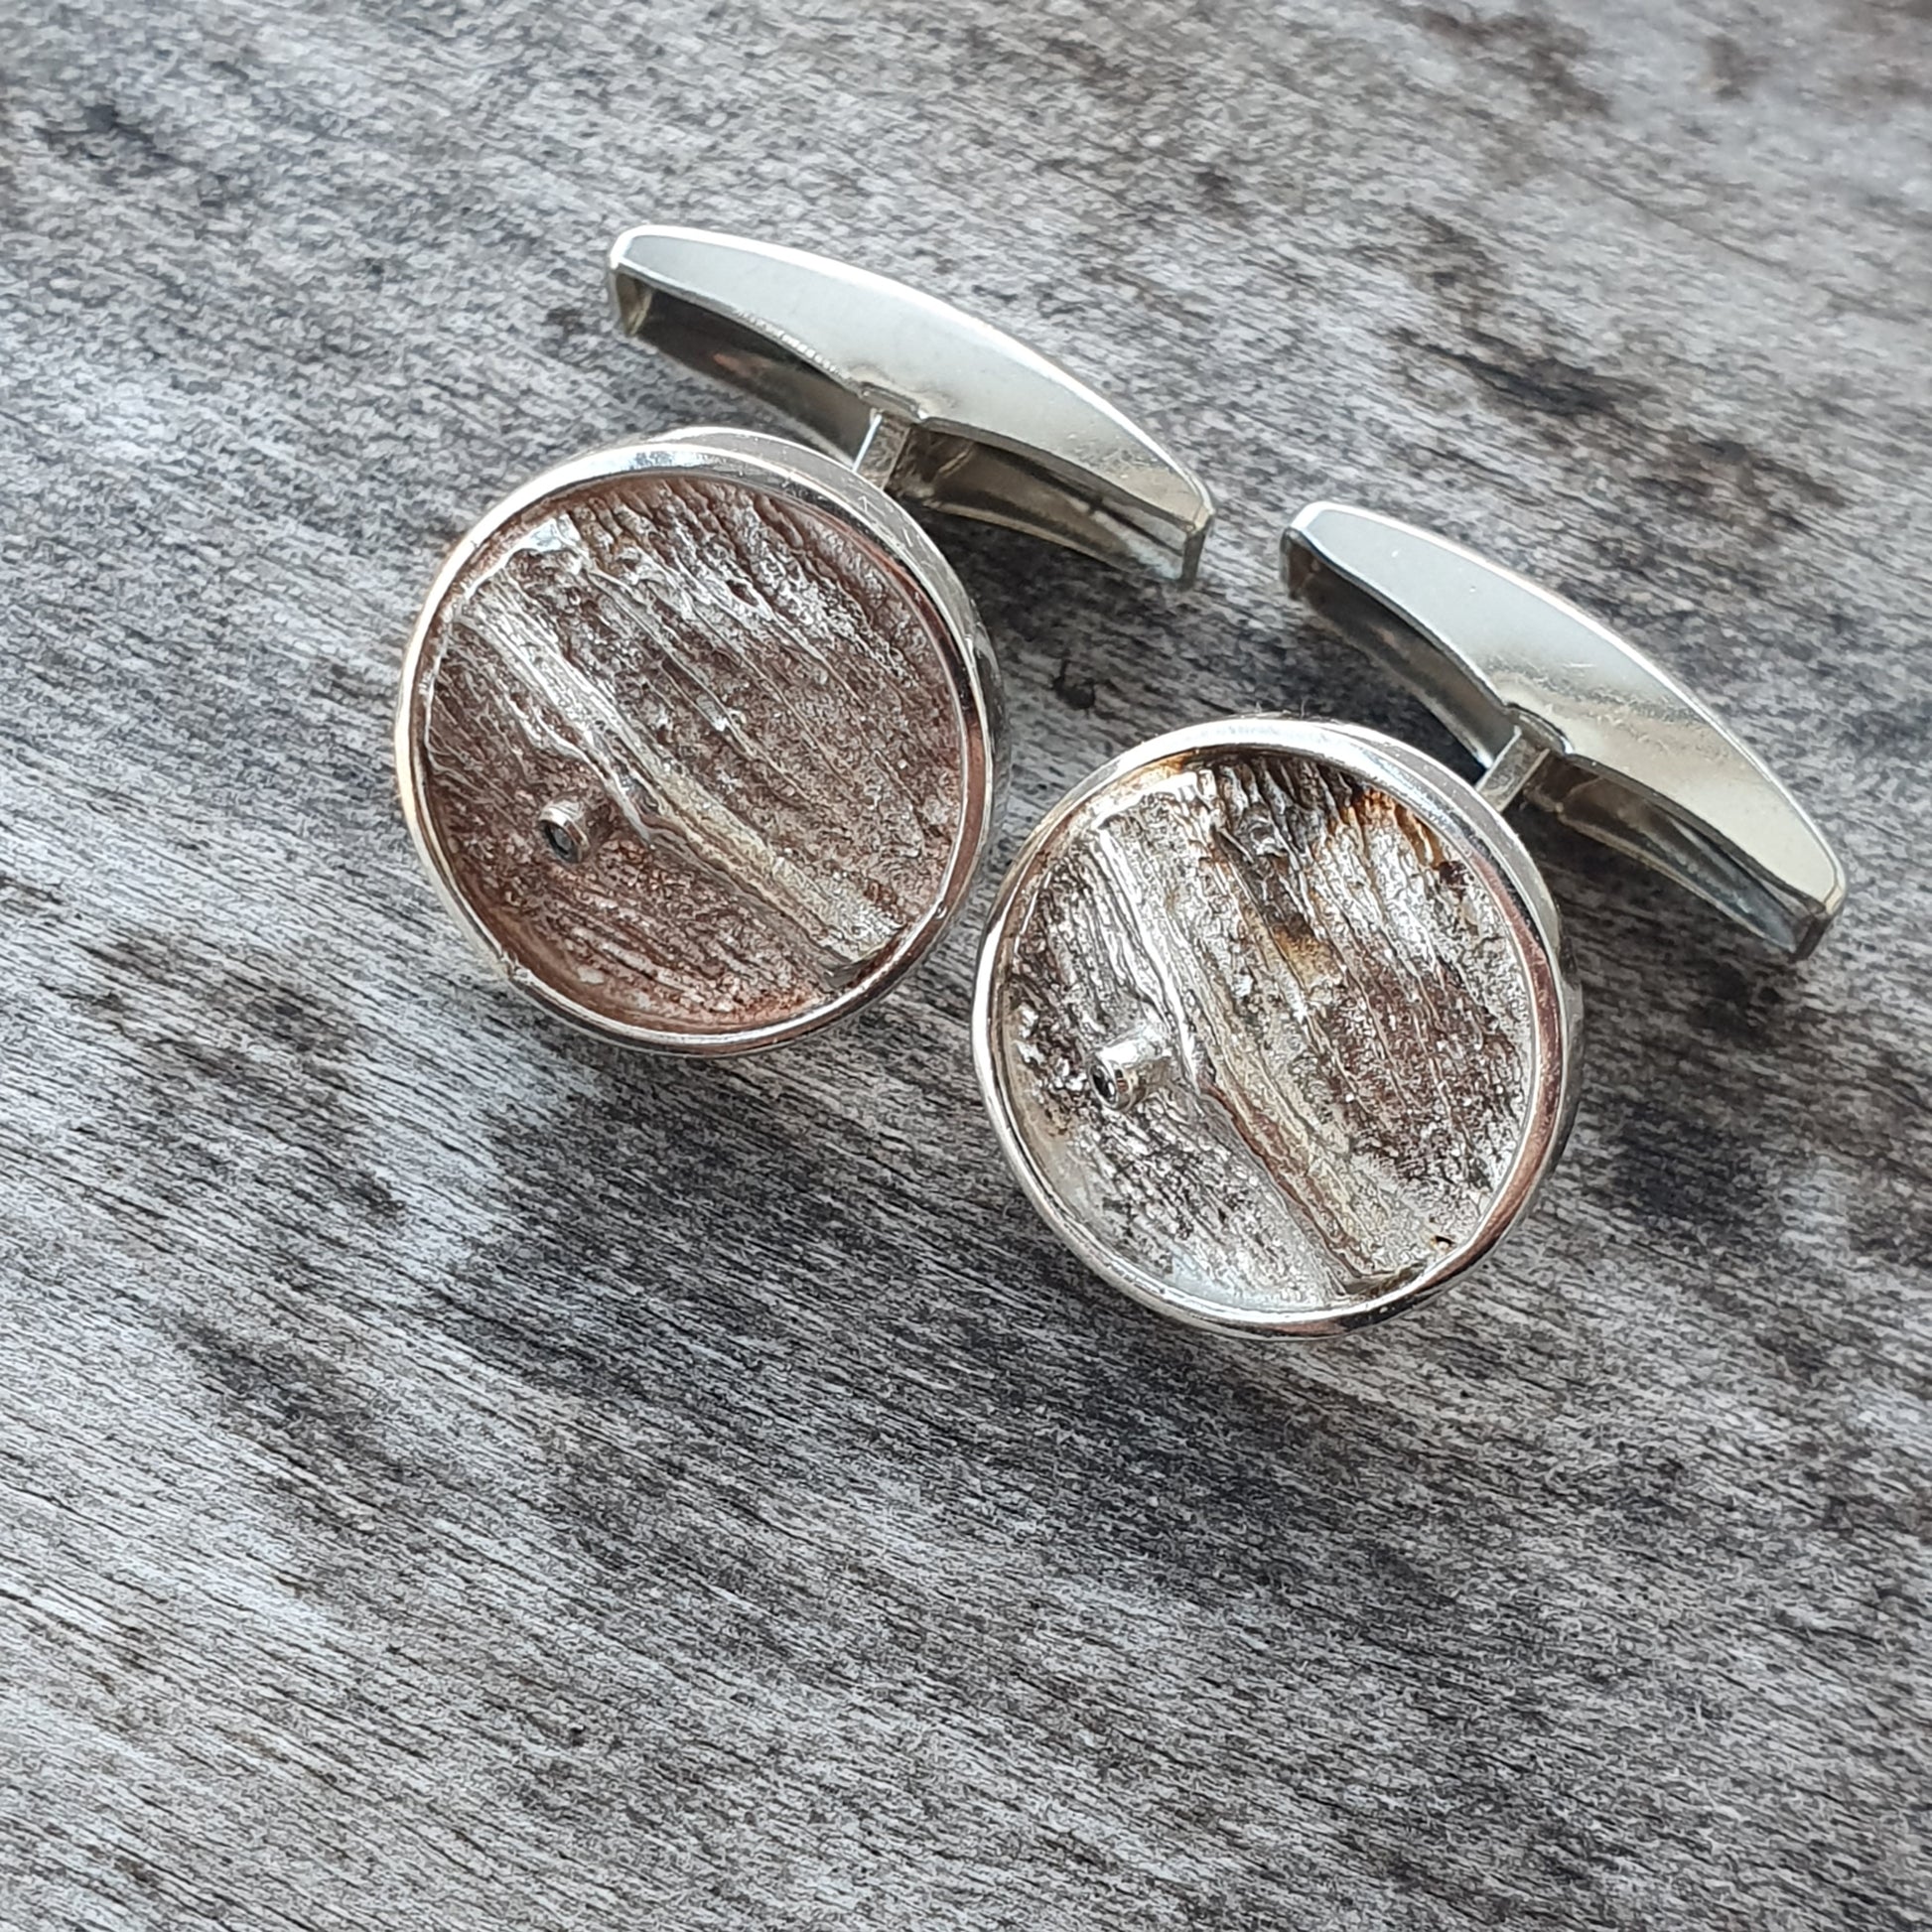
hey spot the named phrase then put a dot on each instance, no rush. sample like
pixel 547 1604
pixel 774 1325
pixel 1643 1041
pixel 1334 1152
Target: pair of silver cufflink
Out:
pixel 700 736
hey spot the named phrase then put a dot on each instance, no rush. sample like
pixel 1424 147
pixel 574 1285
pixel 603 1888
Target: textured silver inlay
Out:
pixel 693 750
pixel 1263 1035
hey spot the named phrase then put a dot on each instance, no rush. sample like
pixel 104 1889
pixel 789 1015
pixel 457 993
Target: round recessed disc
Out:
pixel 1271 1024
pixel 694 736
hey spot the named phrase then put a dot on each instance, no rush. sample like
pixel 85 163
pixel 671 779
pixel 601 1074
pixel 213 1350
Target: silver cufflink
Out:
pixel 1272 1017
pixel 699 735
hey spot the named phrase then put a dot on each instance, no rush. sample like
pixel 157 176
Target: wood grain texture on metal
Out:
pixel 692 752
pixel 455 1473
pixel 1268 1039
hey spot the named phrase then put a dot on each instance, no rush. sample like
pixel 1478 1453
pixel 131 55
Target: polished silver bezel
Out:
pixel 1481 838
pixel 772 464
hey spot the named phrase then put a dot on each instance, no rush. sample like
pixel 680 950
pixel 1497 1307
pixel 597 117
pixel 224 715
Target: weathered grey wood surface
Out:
pixel 455 1476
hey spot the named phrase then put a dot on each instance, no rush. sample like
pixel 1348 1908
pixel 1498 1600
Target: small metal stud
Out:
pixel 1126 1069
pixel 567 832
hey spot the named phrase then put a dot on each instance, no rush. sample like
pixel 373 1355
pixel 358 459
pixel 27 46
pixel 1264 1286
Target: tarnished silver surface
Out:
pixel 937 406
pixel 695 736
pixel 1271 1024
pixel 1632 759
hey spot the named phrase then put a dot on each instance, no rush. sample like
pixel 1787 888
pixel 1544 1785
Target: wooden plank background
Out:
pixel 455 1476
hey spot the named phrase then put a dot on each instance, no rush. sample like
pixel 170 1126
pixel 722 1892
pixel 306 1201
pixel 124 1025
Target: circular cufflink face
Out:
pixel 694 734
pixel 1271 1024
